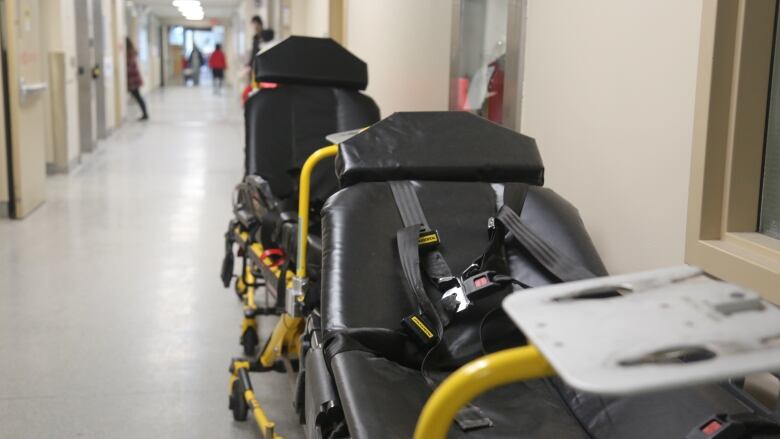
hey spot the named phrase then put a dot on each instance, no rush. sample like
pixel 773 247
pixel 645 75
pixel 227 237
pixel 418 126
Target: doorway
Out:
pixel 24 83
pixel 87 72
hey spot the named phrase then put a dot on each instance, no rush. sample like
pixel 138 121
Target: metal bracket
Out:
pixel 293 303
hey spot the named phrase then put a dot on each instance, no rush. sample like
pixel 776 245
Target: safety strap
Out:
pixel 409 253
pixel 408 239
pixel 412 214
pixel 555 262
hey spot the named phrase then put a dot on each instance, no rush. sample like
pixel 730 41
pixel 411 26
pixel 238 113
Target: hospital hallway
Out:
pixel 113 321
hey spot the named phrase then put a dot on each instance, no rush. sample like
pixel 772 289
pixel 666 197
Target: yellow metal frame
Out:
pixel 304 195
pixel 265 425
pixel 473 379
pixel 285 339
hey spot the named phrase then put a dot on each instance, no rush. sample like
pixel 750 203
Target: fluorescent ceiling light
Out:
pixel 190 9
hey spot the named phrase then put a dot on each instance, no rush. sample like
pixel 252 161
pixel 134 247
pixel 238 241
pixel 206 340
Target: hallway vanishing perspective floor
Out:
pixel 113 321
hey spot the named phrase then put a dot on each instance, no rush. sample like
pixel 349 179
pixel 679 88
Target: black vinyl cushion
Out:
pixel 393 395
pixel 285 125
pixel 311 61
pixel 377 370
pixel 420 146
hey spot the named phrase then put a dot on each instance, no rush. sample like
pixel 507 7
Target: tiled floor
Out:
pixel 113 323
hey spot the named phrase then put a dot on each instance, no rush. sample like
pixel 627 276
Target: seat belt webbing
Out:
pixel 412 214
pixel 409 255
pixel 469 417
pixel 557 263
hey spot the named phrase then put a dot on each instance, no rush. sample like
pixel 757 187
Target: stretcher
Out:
pixel 441 216
pixel 316 91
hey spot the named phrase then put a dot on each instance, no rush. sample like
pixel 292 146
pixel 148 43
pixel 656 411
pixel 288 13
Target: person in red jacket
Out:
pixel 217 64
pixel 134 79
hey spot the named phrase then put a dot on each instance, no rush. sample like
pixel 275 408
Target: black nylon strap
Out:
pixel 557 263
pixel 409 254
pixel 408 204
pixel 412 214
pixel 469 417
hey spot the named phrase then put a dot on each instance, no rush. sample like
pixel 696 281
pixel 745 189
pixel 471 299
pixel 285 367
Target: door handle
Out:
pixel 25 90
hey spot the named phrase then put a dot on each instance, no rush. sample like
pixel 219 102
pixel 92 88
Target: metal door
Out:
pixel 98 68
pixel 25 81
pixel 85 56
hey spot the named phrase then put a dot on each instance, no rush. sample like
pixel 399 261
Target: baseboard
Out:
pixel 53 168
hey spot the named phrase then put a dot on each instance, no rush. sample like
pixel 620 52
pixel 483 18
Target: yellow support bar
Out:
pixel 304 192
pixel 250 288
pixel 264 424
pixel 284 339
pixel 473 379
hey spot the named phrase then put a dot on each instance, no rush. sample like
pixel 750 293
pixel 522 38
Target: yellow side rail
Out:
pixel 304 195
pixel 473 379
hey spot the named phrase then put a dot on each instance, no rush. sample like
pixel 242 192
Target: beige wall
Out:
pixel 310 17
pixel 120 63
pixel 3 162
pixel 406 44
pixel 109 65
pixel 609 95
pixel 64 145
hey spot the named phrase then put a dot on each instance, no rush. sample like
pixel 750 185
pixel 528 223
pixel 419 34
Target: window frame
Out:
pixel 735 60
pixel 515 59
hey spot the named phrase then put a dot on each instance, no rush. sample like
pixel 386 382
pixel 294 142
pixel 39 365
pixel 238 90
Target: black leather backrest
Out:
pixel 311 61
pixel 285 125
pixel 443 146
pixel 363 287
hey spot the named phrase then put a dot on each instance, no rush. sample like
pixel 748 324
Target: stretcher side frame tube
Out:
pixel 304 195
pixel 285 337
pixel 473 379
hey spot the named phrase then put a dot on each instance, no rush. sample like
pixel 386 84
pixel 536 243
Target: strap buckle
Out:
pixel 458 293
pixel 718 427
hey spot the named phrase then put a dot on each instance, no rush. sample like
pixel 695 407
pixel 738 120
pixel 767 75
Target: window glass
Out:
pixel 481 58
pixel 769 222
pixel 176 36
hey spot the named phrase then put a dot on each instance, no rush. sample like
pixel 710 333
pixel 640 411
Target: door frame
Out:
pixel 7 137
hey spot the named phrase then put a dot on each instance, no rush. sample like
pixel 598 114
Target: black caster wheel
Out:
pixel 250 340
pixel 237 403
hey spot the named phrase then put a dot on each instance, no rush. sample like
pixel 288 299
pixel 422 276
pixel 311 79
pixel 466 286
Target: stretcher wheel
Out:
pixel 237 403
pixel 250 340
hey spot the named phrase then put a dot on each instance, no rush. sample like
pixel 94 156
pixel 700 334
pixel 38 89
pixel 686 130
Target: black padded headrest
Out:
pixel 444 146
pixel 311 61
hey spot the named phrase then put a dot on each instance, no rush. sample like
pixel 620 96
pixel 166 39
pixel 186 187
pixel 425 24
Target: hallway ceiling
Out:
pixel 212 8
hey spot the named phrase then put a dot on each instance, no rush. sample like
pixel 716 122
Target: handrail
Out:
pixel 473 379
pixel 304 195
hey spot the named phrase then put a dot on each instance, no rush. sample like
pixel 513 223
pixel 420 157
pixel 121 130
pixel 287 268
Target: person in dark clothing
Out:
pixel 134 79
pixel 257 38
pixel 196 61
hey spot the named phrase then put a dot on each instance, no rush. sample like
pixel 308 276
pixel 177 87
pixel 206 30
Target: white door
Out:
pixel 25 45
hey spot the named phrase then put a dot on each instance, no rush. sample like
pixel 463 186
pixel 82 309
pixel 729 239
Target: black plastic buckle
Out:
pixel 718 427
pixel 421 329
pixel 481 284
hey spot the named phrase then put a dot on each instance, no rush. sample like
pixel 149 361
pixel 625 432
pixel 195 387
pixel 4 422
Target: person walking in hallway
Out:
pixel 134 79
pixel 218 64
pixel 196 62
